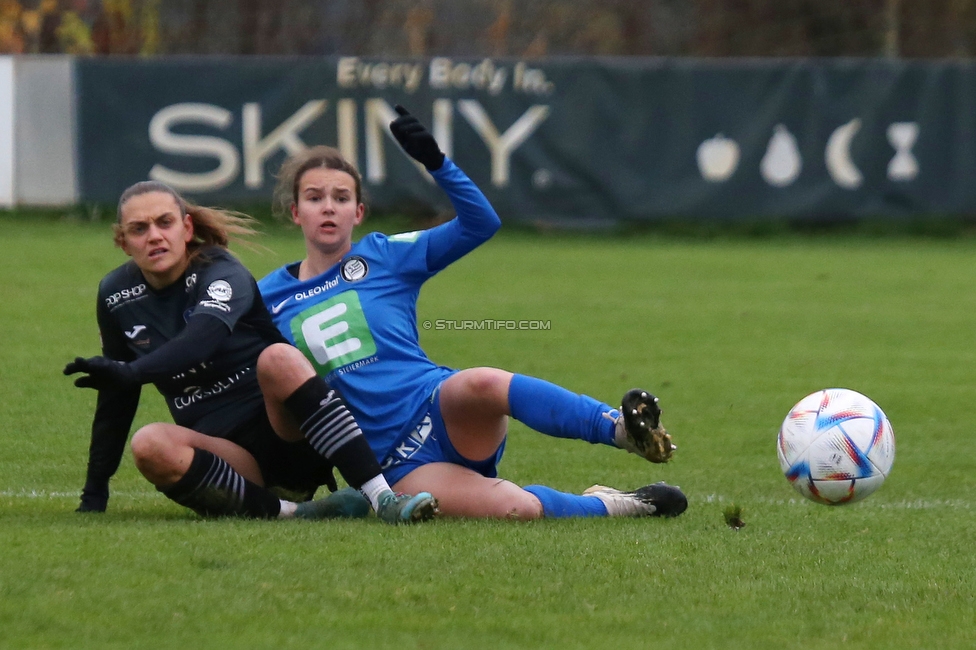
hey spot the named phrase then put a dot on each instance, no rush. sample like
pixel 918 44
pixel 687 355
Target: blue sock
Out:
pixel 561 505
pixel 555 411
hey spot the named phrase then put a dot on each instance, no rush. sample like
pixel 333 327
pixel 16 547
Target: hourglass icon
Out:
pixel 902 136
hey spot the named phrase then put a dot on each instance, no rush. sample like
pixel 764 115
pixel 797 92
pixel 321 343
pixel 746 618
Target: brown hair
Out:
pixel 292 170
pixel 211 226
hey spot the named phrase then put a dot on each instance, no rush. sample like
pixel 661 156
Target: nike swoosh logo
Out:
pixel 135 331
pixel 276 308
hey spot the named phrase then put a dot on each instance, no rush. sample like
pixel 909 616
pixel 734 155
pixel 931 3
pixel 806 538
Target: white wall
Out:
pixel 45 131
pixel 6 131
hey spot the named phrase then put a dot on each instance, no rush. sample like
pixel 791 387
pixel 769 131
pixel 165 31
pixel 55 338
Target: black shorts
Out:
pixel 293 467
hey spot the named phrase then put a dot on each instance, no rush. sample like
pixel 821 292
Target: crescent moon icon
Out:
pixel 838 156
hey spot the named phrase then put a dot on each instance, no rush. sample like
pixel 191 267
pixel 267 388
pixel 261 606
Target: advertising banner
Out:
pixel 568 139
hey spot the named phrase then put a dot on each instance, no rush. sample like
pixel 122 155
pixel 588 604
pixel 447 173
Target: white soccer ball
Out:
pixel 836 446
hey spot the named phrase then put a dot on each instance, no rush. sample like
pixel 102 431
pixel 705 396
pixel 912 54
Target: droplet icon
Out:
pixel 781 163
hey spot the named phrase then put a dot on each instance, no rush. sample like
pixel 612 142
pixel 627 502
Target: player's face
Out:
pixel 327 209
pixel 155 235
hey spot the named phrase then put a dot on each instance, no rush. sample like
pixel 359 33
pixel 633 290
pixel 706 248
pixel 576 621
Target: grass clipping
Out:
pixel 733 517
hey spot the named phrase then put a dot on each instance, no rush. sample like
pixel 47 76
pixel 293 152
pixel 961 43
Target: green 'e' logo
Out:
pixel 334 333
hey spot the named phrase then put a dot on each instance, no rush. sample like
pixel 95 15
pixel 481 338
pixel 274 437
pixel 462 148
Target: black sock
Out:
pixel 332 431
pixel 212 488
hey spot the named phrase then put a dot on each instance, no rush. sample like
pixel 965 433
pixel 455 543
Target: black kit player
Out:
pixel 251 415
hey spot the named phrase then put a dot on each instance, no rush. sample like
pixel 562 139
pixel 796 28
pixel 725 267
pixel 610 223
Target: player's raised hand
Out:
pixel 101 373
pixel 416 140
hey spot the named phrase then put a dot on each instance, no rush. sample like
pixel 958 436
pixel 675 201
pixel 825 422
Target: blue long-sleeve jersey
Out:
pixel 357 321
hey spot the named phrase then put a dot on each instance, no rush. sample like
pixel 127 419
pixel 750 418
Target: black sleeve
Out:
pixel 114 412
pixel 195 344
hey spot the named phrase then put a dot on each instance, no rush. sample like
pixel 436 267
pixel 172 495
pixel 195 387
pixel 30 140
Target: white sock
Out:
pixel 287 509
pixel 374 488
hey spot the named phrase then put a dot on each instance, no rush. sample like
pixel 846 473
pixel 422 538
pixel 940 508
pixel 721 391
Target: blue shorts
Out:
pixel 428 443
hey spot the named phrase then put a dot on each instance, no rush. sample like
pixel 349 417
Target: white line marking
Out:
pixel 76 494
pixel 918 504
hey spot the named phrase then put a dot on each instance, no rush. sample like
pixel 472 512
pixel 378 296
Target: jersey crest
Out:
pixel 354 269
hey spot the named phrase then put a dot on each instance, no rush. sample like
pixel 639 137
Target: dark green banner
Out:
pixel 567 139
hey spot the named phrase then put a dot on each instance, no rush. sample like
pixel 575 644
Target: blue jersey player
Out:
pixel 351 309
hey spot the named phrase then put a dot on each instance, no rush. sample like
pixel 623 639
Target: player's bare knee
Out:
pixel 272 359
pixel 281 361
pixel 151 447
pixel 489 382
pixel 525 510
pixel 517 503
pixel 146 441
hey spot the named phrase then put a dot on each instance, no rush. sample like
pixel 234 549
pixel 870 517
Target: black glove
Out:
pixel 416 140
pixel 93 498
pixel 102 372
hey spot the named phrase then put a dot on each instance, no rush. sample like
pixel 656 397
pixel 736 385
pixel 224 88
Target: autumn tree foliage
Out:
pixel 493 28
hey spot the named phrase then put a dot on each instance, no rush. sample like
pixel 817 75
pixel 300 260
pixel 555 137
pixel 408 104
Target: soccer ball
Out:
pixel 836 446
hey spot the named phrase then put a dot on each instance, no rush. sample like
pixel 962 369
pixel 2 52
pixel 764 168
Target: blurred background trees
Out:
pixel 477 28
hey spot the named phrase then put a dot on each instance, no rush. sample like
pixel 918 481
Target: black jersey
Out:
pixel 217 395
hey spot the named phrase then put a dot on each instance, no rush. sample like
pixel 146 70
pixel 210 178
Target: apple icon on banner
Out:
pixel 718 158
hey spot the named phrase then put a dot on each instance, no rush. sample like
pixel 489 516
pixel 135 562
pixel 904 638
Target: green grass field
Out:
pixel 729 332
